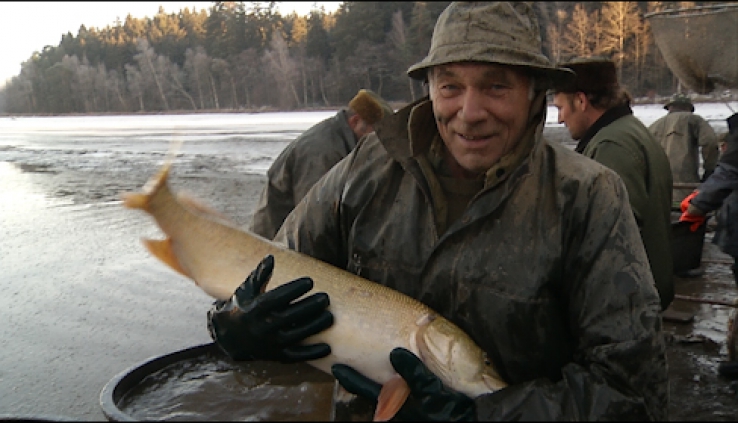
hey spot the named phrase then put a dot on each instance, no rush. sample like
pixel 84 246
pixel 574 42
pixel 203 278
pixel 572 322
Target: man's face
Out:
pixel 359 126
pixel 481 111
pixel 571 113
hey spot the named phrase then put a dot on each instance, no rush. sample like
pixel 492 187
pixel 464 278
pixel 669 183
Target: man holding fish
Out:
pixel 458 201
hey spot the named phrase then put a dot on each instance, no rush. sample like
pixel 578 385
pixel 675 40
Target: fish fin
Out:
pixel 197 205
pixel 391 397
pixel 162 249
pixel 135 200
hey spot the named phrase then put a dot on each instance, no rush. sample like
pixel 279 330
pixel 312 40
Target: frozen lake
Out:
pixel 246 142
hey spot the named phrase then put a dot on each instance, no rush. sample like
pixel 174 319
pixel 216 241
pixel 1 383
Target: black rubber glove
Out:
pixel 270 326
pixel 429 399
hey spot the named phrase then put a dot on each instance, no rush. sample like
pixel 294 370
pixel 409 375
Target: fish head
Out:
pixel 453 356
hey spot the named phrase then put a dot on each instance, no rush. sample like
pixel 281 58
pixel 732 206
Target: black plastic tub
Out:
pixel 687 246
pixel 201 383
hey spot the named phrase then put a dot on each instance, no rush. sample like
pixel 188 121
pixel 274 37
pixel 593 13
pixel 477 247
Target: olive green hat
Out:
pixel 680 99
pixel 370 107
pixel 491 32
pixel 594 74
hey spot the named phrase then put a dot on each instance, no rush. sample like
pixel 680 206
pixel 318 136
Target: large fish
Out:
pixel 369 319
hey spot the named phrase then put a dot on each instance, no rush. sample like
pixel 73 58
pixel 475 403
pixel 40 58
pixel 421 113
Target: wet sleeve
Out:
pixel 276 200
pixel 619 369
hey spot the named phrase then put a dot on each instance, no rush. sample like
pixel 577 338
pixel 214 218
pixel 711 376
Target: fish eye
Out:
pixel 486 360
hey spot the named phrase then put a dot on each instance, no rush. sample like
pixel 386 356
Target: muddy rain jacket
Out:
pixel 684 135
pixel 298 167
pixel 621 142
pixel 545 269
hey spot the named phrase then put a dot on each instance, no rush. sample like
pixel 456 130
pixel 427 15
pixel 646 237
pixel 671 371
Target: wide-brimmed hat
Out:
pixel 594 74
pixel 680 99
pixel 370 107
pixel 489 32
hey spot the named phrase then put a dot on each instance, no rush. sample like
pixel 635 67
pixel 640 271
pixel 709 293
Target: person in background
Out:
pixel 310 156
pixel 684 135
pixel 596 110
pixel 719 192
pixel 457 200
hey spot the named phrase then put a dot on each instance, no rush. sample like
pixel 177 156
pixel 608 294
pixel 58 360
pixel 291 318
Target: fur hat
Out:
pixel 594 74
pixel 370 107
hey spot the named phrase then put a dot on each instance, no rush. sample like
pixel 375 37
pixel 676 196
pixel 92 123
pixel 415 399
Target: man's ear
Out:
pixel 583 101
pixel 353 121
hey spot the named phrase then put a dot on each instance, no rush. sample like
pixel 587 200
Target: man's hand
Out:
pixel 690 213
pixel 269 326
pixel 429 399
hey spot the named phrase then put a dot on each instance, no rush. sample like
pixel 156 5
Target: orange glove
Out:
pixel 696 219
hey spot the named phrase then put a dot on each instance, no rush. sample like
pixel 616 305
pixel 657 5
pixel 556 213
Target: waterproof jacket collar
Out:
pixel 610 116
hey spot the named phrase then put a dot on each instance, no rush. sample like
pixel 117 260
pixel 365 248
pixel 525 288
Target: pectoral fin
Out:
pixel 391 397
pixel 162 249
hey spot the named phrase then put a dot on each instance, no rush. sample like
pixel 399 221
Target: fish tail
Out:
pixel 140 200
pixel 392 396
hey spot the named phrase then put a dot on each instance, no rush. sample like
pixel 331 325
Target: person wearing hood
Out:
pixel 307 158
pixel 596 110
pixel 457 200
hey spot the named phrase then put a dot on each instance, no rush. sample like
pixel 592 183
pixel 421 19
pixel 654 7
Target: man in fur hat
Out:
pixel 683 135
pixel 310 156
pixel 596 110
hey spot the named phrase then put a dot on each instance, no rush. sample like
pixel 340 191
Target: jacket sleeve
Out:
pixel 314 227
pixel 716 188
pixel 618 370
pixel 276 200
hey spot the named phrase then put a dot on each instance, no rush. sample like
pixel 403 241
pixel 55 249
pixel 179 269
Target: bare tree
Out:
pixel 619 22
pixel 578 40
pixel 402 51
pixel 197 65
pixel 284 70
pixel 136 84
pixel 116 85
pixel 146 59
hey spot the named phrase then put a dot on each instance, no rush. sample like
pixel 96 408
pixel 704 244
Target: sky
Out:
pixel 26 26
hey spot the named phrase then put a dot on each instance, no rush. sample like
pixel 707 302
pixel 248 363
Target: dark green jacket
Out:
pixel 545 269
pixel 297 168
pixel 621 142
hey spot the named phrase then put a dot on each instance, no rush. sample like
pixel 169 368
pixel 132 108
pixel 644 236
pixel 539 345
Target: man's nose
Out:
pixel 473 107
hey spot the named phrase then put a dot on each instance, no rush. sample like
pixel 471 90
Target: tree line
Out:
pixel 247 56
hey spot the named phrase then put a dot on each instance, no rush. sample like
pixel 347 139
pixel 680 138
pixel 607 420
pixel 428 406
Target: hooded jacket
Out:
pixel 297 168
pixel 544 269
pixel 622 143
pixel 684 135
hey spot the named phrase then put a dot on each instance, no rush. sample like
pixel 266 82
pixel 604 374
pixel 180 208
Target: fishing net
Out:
pixel 699 44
